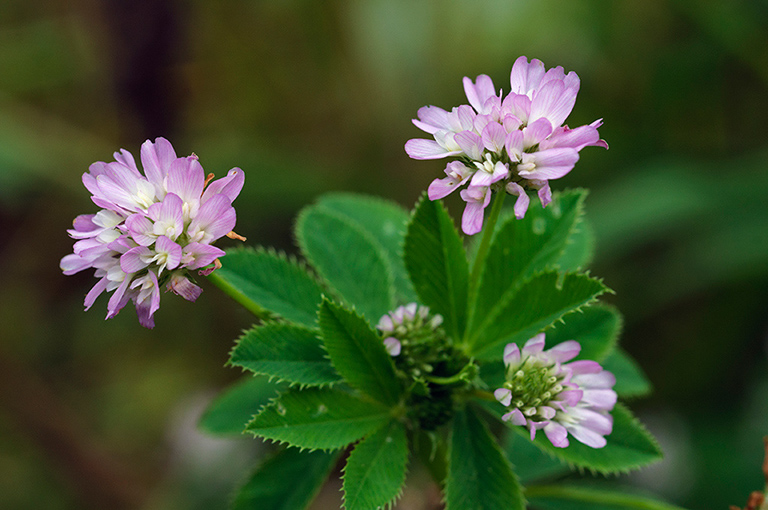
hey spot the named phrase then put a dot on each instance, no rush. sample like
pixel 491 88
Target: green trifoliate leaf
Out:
pixel 522 248
pixel 376 468
pixel 596 328
pixel 580 248
pixel 535 305
pixel 386 222
pixel 285 351
pixel 321 418
pixel 529 462
pixel 266 283
pixel 479 476
pixel 231 411
pixel 289 480
pixel 349 259
pixel 437 264
pixel 358 353
pixel 630 379
pixel 629 447
pixel 571 497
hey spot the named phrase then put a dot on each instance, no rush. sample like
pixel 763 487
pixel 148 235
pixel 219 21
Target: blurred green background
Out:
pixel 310 96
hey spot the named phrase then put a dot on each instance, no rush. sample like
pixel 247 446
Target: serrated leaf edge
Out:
pixel 322 205
pixel 270 377
pixel 496 446
pixel 259 311
pixel 399 494
pixel 550 267
pixel 357 315
pixel 558 285
pixel 461 332
pixel 300 242
pixel 273 403
pixel 595 471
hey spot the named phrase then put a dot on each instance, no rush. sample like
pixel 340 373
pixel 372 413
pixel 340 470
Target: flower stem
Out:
pixel 485 244
pixel 238 296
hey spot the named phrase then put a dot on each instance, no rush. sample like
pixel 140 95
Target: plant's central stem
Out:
pixel 485 244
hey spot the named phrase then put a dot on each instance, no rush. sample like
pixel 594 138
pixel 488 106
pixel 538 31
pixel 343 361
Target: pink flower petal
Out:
pixel 522 202
pixel 570 397
pixel 549 164
pixel 95 292
pixel 131 261
pixel 565 351
pixel 119 298
pixel 545 194
pixel 553 101
pixel 462 118
pixel 524 76
pixel 503 395
pixel 170 249
pixel 231 185
pixel 197 255
pixel 514 145
pixel 600 422
pixel 547 412
pixel 534 346
pixel 587 436
pixel 584 367
pixel 393 346
pixel 471 144
pixel 601 380
pixel 515 416
pixel 419 148
pixel 186 179
pixel 440 188
pixel 511 354
pixel 181 286
pixel 557 435
pixel 432 119
pixel 215 218
pixel 125 159
pixel 478 92
pixel 141 229
pixel 72 264
pixel 494 137
pixel 385 324
pixel 477 200
pixel 472 219
pixel 156 158
pixel 600 399
pixel 536 132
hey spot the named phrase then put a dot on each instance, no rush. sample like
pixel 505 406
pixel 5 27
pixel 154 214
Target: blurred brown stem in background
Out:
pixel 99 480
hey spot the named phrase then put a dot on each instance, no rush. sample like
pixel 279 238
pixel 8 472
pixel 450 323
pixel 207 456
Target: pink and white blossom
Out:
pixel 406 324
pixel 153 228
pixel 544 392
pixel 517 142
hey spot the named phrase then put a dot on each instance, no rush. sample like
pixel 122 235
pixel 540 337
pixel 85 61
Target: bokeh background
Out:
pixel 310 96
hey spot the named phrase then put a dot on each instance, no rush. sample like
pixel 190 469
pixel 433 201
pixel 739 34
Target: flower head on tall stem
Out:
pixel 511 143
pixel 153 228
pixel 543 391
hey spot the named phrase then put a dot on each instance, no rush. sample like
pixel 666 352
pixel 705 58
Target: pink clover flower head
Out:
pixel 407 325
pixel 513 143
pixel 153 228
pixel 544 391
